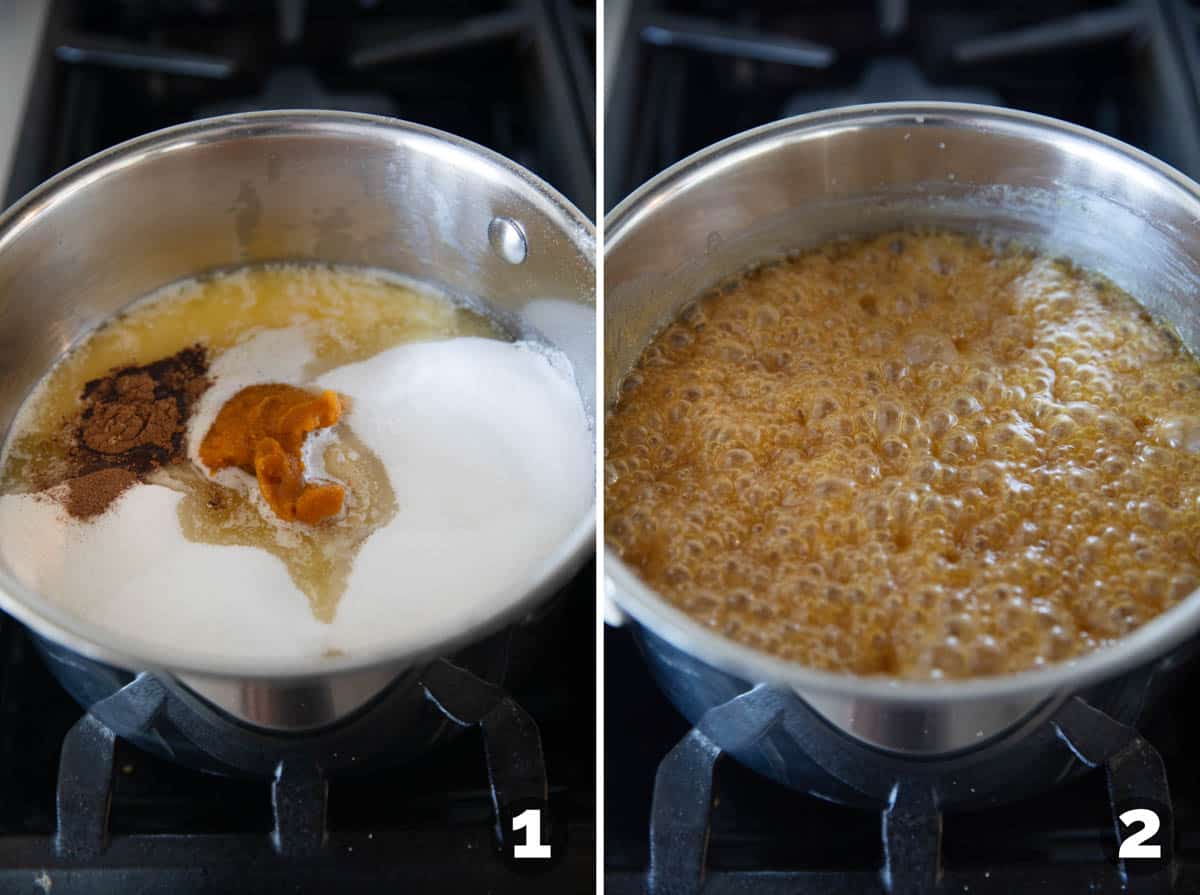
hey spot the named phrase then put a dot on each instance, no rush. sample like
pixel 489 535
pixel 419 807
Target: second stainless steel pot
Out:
pixel 292 186
pixel 1060 188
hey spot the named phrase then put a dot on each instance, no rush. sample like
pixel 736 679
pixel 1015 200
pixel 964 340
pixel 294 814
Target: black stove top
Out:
pixel 765 838
pixel 170 829
pixel 514 76
pixel 691 74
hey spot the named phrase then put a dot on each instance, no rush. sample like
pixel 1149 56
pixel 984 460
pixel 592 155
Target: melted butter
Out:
pixel 318 557
pixel 360 312
pixel 915 456
pixel 353 314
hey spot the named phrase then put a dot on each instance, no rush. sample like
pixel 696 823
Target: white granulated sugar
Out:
pixel 489 454
pixel 490 457
pixel 132 570
pixel 572 327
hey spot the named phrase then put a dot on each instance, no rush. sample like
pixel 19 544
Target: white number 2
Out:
pixel 530 820
pixel 1135 846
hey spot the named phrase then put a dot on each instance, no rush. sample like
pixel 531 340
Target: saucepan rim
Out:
pixel 622 585
pixel 136 654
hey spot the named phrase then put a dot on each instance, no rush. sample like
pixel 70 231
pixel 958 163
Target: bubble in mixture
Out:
pixel 917 455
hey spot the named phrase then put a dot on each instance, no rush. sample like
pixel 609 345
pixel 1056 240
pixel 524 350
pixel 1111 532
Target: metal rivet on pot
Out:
pixel 508 240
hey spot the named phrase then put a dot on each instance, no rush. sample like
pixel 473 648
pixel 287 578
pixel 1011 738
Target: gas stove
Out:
pixel 680 816
pixel 84 811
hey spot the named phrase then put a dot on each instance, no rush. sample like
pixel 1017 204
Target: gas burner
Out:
pixel 84 847
pixel 421 710
pixel 347 807
pixel 512 751
pixel 853 819
pixel 911 819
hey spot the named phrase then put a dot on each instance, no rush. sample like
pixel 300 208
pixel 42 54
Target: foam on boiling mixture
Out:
pixel 485 445
pixel 915 455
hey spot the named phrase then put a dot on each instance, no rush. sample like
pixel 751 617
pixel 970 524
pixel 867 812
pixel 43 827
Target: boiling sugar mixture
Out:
pixel 917 455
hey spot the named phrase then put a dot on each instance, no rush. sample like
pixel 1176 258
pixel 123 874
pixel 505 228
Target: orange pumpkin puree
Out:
pixel 261 430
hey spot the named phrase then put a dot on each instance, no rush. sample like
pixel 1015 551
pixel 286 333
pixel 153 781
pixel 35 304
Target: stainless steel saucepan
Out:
pixel 292 186
pixel 795 183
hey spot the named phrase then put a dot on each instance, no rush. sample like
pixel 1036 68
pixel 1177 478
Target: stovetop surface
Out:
pixel 513 75
pixel 173 829
pixel 692 73
pixel 760 830
pixel 152 795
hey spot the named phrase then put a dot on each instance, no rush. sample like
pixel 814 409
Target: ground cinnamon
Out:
pixel 136 418
pixel 132 421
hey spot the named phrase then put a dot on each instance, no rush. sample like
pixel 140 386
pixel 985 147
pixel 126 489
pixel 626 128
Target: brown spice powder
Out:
pixel 90 495
pixel 135 418
pixel 133 421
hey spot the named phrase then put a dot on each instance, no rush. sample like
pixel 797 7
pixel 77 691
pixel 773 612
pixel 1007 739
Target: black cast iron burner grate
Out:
pixel 1023 835
pixel 911 823
pixel 299 850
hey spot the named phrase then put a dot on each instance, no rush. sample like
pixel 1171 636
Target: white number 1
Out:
pixel 530 820
pixel 1135 846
